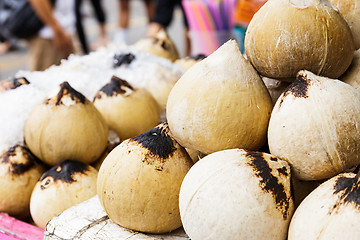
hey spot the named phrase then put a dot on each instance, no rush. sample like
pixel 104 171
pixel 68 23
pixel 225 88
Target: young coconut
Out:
pixel 161 45
pixel 148 170
pixel 19 172
pixel 61 187
pixel 127 111
pixel 188 62
pixel 314 126
pixel 12 83
pixel 66 126
pixel 286 36
pixel 331 211
pixel 220 103
pixel 237 194
pixel 352 74
pixel 350 10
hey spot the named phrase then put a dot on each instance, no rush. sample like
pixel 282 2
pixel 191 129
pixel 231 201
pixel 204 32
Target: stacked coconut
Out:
pixel 56 123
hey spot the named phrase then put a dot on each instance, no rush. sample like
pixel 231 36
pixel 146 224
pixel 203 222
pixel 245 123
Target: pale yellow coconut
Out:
pixel 139 181
pixel 237 194
pixel 61 187
pixel 161 45
pixel 127 111
pixel 66 126
pixel 352 74
pixel 286 36
pixel 330 212
pixel 220 103
pixel 19 172
pixel 350 10
pixel 187 62
pixel 314 126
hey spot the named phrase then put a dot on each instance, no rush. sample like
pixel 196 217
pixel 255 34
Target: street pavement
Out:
pixel 16 60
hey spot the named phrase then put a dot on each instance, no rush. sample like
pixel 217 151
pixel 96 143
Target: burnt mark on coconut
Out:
pixel 269 182
pixel 157 141
pixel 64 172
pixel 198 57
pixel 298 88
pixel 123 59
pixel 13 83
pixel 67 90
pixel 114 87
pixel 19 168
pixel 348 190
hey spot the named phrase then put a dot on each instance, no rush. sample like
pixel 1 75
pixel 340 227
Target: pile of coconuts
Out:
pixel 264 166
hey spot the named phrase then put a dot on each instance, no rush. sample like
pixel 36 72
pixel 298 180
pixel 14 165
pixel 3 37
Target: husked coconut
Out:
pixel 330 212
pixel 220 103
pixel 139 181
pixel 66 126
pixel 161 45
pixel 237 194
pixel 352 74
pixel 286 36
pixel 314 126
pixel 19 172
pixel 12 83
pixel 350 10
pixel 127 111
pixel 61 187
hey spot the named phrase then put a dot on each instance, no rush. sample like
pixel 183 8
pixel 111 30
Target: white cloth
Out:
pixel 64 11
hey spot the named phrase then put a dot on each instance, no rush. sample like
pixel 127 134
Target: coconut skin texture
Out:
pixel 286 36
pixel 19 172
pixel 66 126
pixel 352 74
pixel 128 111
pixel 60 188
pixel 148 170
pixel 161 45
pixel 220 103
pixel 350 10
pixel 314 126
pixel 215 202
pixel 331 211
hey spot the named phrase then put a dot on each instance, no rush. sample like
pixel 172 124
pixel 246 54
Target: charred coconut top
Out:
pixel 114 87
pixel 13 83
pixel 299 88
pixel 63 172
pixel 269 182
pixel 13 156
pixel 348 189
pixel 66 92
pixel 124 58
pixel 157 141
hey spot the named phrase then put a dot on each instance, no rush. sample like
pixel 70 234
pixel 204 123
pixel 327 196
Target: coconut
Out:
pixel 147 171
pixel 220 103
pixel 19 171
pixel 286 36
pixel 161 45
pixel 12 83
pixel 237 194
pixel 352 74
pixel 66 126
pixel 331 211
pixel 127 111
pixel 60 188
pixel 314 126
pixel 350 10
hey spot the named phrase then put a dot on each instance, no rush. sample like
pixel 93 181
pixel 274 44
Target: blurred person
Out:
pixel 164 11
pixel 54 41
pixel 121 34
pixel 101 19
